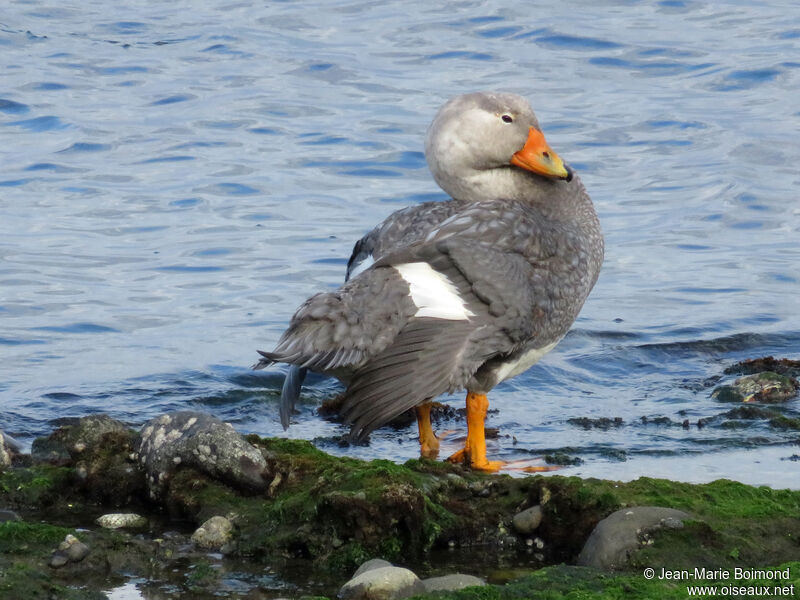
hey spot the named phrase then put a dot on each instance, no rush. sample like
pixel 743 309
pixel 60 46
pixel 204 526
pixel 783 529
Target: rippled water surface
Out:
pixel 175 178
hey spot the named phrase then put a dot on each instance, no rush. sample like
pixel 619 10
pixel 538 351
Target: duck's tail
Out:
pixel 291 392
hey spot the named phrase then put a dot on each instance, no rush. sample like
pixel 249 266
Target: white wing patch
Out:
pixel 523 363
pixel 361 266
pixel 433 293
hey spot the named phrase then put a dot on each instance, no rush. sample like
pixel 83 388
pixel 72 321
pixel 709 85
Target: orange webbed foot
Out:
pixel 493 466
pixel 428 442
pixel 477 463
pixel 525 466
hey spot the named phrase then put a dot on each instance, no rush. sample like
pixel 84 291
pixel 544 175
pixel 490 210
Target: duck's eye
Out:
pixel 507 118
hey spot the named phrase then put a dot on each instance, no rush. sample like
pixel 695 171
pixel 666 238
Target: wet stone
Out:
pixel 562 459
pixel 767 387
pixel 447 583
pixel 374 563
pixel 528 520
pixel 602 423
pixel 59 559
pixel 99 449
pixel 9 448
pixel 782 366
pixel 9 515
pixel 749 412
pixel 69 441
pixel 383 583
pixel 200 441
pixel 77 552
pixel 70 550
pixel 623 532
pixel 122 520
pixel 214 534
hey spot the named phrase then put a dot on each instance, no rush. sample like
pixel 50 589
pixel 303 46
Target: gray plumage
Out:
pixel 400 229
pixel 463 293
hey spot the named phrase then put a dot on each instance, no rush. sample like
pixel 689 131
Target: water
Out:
pixel 177 177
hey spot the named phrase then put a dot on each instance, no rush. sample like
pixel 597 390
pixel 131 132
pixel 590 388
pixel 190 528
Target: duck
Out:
pixel 460 294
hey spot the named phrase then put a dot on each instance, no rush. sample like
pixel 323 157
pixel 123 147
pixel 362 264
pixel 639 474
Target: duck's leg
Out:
pixel 428 442
pixel 474 452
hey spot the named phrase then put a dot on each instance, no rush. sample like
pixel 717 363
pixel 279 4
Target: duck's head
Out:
pixel 487 144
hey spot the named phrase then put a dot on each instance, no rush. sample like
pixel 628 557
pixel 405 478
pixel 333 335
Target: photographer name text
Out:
pixel 737 574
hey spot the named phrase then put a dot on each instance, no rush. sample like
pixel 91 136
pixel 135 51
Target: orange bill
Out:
pixel 537 157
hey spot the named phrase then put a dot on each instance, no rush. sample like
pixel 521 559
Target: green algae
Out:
pixel 37 486
pixel 20 581
pixel 783 422
pixel 761 524
pixel 339 512
pixel 21 537
pixel 563 582
pixel 22 574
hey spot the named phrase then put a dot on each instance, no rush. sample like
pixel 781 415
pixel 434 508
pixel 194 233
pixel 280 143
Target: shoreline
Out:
pixel 295 512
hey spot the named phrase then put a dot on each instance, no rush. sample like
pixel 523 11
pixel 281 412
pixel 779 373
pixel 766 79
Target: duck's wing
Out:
pixel 423 319
pixel 342 329
pixel 476 306
pixel 400 229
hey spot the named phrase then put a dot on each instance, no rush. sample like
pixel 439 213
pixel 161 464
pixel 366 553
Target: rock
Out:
pixel 69 441
pixel 193 439
pixel 781 366
pixel 70 550
pixel 59 559
pixel 9 515
pixel 122 520
pixel 215 533
pixel 623 532
pixel 50 450
pixel 9 448
pixel 99 448
pixel 77 552
pixel 528 520
pixel 373 563
pixel 383 583
pixel 766 387
pixel 453 582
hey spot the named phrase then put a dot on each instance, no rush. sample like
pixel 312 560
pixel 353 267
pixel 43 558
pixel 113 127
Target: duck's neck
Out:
pixel 556 199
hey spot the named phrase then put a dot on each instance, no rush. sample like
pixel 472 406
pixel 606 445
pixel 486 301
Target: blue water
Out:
pixel 175 178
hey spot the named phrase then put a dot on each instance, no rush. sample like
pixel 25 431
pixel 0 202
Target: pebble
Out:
pixel 59 559
pixel 122 520
pixel 70 550
pixel 214 534
pixel 9 447
pixel 528 520
pixel 9 515
pixel 77 551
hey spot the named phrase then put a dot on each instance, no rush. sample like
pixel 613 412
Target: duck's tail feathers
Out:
pixel 291 392
pixel 267 358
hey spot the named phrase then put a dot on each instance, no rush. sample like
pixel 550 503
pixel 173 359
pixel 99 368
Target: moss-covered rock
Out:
pixel 191 439
pixel 98 450
pixel 335 513
pixel 23 572
pixel 782 366
pixel 37 487
pixel 768 387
